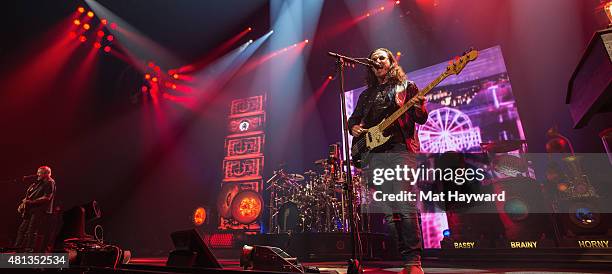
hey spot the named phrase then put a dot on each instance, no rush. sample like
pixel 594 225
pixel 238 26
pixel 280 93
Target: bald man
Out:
pixel 34 210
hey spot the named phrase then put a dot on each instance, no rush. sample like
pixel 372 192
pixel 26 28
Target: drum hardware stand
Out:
pixel 354 266
pixel 273 207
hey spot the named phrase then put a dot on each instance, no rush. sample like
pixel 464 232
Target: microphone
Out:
pixel 371 62
pixel 29 177
pixel 362 61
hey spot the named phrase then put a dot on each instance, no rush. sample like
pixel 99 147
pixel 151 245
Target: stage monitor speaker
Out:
pixel 268 258
pixel 191 250
pixel 107 256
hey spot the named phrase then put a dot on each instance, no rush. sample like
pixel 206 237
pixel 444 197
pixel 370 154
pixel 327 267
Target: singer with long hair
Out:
pixel 388 89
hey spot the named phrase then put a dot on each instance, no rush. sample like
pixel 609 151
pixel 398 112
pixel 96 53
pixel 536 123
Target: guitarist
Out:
pixel 388 89
pixel 34 210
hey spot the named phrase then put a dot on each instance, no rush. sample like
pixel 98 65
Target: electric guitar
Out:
pixel 374 136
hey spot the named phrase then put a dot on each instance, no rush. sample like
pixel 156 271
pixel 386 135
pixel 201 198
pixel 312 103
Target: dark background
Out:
pixel 149 179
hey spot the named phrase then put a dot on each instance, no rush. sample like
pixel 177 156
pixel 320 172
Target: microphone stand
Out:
pixel 354 265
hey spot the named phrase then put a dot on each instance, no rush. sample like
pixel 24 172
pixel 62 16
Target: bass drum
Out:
pixel 289 218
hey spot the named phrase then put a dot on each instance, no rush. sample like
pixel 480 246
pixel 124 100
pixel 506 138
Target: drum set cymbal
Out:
pixel 296 177
pixel 502 146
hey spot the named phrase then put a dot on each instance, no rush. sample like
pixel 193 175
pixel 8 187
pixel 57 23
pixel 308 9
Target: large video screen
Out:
pixel 465 110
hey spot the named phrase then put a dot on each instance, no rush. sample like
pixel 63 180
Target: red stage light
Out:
pixel 76 22
pixel 90 14
pixel 173 86
pixel 103 21
pixel 608 9
pixel 250 29
pixel 100 33
pixel 199 216
pixel 86 26
pixel 397 2
pixel 147 76
pixel 97 45
pixel 368 14
pixel 82 38
pixel 382 8
pixel 175 76
pixel 107 49
pixel 113 25
pixel 154 79
pixel 144 88
pixel 246 206
pixel 330 77
pixel 151 64
pixel 224 240
pixel 72 35
pixel 110 38
pixel 81 9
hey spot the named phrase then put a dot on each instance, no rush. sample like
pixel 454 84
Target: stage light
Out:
pixel 382 8
pixel 151 64
pixel 368 14
pixel 330 77
pixel 175 76
pixel 562 187
pixel 72 35
pixel 110 38
pixel 144 88
pixel 113 25
pixel 100 33
pixel 90 14
pixel 173 86
pixel 81 9
pixel 154 79
pixel 103 21
pixel 608 9
pixel 246 206
pixel 86 26
pixel 584 215
pixel 446 232
pixel 251 41
pixel 306 41
pixel 250 29
pixel 97 45
pixel 107 49
pixel 147 76
pixel 271 31
pixel 82 38
pixel 199 216
pixel 397 2
pixel 399 53
pixel 76 22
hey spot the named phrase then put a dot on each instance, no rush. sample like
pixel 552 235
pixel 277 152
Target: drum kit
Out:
pixel 313 202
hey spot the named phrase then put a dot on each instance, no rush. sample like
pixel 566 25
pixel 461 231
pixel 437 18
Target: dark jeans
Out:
pixel 401 218
pixel 31 232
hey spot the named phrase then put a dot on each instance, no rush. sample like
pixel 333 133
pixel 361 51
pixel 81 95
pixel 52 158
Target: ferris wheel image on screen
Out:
pixel 448 129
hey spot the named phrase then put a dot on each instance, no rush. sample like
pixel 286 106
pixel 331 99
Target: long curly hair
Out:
pixel 396 74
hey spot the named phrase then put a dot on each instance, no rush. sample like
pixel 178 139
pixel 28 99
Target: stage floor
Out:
pixel 373 267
